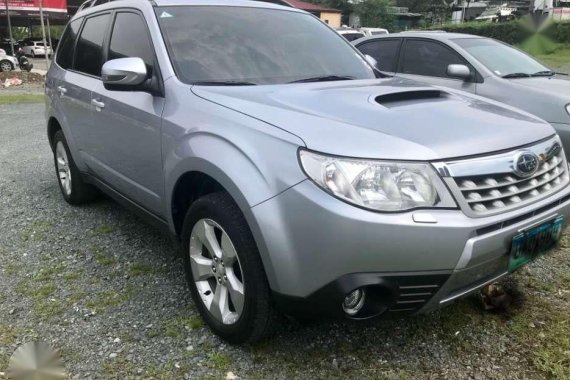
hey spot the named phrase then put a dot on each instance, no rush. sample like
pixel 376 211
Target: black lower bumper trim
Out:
pixel 395 292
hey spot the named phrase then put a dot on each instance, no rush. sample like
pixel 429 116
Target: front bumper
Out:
pixel 316 249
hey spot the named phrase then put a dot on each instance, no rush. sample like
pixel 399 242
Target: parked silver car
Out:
pixel 479 65
pixel 295 177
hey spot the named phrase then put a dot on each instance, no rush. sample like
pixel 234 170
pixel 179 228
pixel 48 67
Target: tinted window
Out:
pixel 66 46
pixel 130 39
pixel 428 58
pixel 384 51
pixel 89 57
pixel 255 45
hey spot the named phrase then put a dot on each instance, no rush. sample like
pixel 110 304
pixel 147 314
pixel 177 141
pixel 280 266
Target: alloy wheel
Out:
pixel 216 271
pixel 5 66
pixel 63 169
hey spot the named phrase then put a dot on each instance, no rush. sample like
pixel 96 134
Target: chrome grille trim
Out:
pixel 488 185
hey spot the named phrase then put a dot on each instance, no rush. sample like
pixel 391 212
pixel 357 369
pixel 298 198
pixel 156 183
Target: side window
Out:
pixel 130 39
pixel 428 58
pixel 89 55
pixel 385 51
pixel 66 47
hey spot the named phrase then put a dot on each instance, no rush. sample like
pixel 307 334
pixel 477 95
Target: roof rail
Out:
pixel 93 3
pixel 423 31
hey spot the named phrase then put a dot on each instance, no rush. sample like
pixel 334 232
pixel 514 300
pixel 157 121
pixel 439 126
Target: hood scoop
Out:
pixel 408 97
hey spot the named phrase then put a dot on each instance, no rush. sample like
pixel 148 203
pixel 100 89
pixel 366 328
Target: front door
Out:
pixel 126 130
pixel 427 61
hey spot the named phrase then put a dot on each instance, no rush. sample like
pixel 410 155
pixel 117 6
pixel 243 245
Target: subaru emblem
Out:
pixel 525 163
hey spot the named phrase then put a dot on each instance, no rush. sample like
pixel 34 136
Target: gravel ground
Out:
pixel 109 292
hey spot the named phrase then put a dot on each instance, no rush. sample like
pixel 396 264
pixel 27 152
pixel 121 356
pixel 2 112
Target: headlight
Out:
pixel 568 109
pixel 377 185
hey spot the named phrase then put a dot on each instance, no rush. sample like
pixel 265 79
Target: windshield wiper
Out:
pixel 324 78
pixel 224 83
pixel 517 75
pixel 545 73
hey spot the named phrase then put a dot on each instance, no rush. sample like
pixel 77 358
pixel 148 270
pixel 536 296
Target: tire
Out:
pixel 6 66
pixel 33 54
pixel 255 319
pixel 74 190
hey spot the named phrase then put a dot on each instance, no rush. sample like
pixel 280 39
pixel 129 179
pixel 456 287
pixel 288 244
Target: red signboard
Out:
pixel 31 8
pixel 48 5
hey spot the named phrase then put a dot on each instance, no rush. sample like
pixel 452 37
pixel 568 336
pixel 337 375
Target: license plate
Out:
pixel 532 243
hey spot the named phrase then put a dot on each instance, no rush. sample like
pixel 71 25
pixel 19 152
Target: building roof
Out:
pixel 310 7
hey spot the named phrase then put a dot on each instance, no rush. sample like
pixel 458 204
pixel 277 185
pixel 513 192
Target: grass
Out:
pixel 108 299
pixel 139 269
pixel 103 259
pixel 103 229
pixel 178 327
pixel 35 231
pixel 219 360
pixel 21 98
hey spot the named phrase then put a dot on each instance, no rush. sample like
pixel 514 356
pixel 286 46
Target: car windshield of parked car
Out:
pixel 501 59
pixel 228 45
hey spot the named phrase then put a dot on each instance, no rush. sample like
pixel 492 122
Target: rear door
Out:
pixel 384 50
pixel 62 88
pixel 81 78
pixel 126 134
pixel 427 60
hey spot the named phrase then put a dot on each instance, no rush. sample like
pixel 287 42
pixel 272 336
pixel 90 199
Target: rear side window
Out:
pixel 130 39
pixel 67 45
pixel 428 58
pixel 384 51
pixel 89 57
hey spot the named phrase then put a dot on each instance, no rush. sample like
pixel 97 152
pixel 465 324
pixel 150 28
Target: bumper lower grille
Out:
pixel 491 184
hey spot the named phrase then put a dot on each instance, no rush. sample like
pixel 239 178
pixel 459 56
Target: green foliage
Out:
pixel 538 45
pixel 559 32
pixel 514 32
pixel 375 13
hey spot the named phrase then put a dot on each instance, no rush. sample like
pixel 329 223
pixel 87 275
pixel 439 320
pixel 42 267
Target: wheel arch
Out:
pixel 52 127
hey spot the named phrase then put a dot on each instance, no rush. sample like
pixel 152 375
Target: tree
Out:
pixel 375 13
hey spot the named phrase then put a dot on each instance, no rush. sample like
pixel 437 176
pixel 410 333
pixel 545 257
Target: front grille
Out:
pixel 490 185
pixel 492 192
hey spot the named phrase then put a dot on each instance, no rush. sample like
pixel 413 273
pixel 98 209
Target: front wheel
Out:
pixel 224 270
pixel 6 66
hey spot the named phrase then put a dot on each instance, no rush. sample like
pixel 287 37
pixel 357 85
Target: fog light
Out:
pixel 354 301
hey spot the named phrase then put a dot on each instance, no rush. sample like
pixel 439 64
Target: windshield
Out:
pixel 239 45
pixel 501 59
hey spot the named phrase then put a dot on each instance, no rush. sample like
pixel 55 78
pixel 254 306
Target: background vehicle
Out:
pixel 478 65
pixel 5 45
pixel 294 178
pixel 349 33
pixel 35 48
pixel 8 63
pixel 373 31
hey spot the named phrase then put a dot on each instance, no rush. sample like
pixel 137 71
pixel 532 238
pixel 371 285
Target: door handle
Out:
pixel 62 90
pixel 97 103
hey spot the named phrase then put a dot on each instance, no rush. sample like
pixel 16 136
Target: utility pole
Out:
pixel 44 34
pixel 9 28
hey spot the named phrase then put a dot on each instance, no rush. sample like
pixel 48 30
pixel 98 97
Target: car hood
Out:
pixel 411 122
pixel 552 85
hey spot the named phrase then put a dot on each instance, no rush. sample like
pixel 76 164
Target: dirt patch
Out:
pixel 24 76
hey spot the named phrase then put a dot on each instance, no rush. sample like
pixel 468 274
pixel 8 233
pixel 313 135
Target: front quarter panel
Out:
pixel 252 160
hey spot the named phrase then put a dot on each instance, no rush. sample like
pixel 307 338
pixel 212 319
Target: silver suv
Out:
pixel 295 176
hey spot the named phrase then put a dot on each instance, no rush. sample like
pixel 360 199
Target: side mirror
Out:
pixel 371 60
pixel 459 72
pixel 124 73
